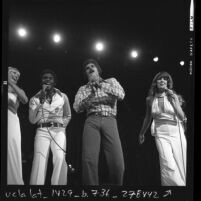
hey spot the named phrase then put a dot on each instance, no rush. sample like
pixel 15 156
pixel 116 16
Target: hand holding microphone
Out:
pixel 44 92
pixel 46 88
pixel 95 85
pixel 169 91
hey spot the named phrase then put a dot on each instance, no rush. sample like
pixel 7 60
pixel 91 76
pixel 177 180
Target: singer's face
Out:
pixel 48 79
pixel 162 83
pixel 14 75
pixel 92 72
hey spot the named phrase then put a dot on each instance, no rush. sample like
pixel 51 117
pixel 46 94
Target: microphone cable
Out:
pixel 43 117
pixel 70 167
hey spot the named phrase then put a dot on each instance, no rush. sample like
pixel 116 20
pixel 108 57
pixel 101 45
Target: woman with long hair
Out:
pixel 165 112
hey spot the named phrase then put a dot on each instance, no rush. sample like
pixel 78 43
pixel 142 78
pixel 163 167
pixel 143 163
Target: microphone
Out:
pixel 169 91
pixel 94 86
pixel 42 97
pixel 97 85
pixel 44 92
pixel 47 91
pixel 46 87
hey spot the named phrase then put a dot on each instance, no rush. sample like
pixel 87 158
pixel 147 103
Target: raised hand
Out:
pixel 141 138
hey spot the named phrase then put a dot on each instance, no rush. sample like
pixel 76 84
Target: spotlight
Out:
pixel 134 54
pixel 57 38
pixel 155 59
pixel 182 63
pixel 99 46
pixel 22 32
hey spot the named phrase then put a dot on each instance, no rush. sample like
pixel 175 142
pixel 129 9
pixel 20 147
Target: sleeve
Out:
pixel 81 98
pixel 67 111
pixel 113 87
pixel 34 108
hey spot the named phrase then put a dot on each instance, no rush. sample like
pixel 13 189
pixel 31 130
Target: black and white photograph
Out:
pixel 98 99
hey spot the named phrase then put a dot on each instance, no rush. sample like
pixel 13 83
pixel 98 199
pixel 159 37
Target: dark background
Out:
pixel 155 28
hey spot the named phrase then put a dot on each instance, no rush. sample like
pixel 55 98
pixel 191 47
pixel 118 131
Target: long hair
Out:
pixel 153 89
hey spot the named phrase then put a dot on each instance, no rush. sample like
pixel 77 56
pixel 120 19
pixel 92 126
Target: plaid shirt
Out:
pixel 102 100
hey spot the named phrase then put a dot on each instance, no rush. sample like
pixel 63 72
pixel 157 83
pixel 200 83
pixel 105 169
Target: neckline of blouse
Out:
pixel 160 95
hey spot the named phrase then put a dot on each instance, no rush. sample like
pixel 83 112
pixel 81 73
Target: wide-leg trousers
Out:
pixel 14 158
pixel 44 140
pixel 101 130
pixel 171 145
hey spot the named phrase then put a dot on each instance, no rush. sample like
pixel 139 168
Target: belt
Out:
pixel 99 114
pixel 50 124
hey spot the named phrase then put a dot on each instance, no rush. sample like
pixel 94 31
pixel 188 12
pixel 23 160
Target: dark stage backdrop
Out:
pixel 155 28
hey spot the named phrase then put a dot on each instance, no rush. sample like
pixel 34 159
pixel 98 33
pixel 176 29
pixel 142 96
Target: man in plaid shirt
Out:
pixel 99 99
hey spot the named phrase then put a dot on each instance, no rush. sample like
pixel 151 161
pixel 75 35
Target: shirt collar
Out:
pixel 100 80
pixel 55 90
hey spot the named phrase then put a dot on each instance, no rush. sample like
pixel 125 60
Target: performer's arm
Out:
pixel 82 100
pixel 34 107
pixel 20 93
pixel 105 100
pixel 66 111
pixel 176 104
pixel 147 120
pixel 113 88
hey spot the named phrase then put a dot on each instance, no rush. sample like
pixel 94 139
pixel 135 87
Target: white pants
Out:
pixel 14 158
pixel 43 142
pixel 171 145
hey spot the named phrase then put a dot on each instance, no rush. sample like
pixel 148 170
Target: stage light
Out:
pixel 155 59
pixel 99 46
pixel 57 38
pixel 134 54
pixel 22 32
pixel 182 63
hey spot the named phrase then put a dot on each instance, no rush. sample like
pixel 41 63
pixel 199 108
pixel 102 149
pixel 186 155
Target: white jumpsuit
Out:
pixel 171 144
pixel 49 137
